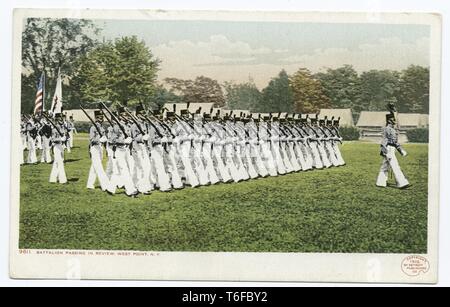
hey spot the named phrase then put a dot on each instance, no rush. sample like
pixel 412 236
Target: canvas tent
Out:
pixel 371 124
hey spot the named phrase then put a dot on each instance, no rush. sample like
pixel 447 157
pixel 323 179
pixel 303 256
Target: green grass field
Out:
pixel 333 210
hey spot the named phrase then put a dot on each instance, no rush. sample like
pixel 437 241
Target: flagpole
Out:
pixel 43 91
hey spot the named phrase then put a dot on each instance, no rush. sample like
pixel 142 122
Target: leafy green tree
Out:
pixel 414 90
pixel 308 92
pixel 375 89
pixel 161 97
pixel 200 90
pixel 242 96
pixel 276 96
pixel 49 44
pixel 123 71
pixel 340 85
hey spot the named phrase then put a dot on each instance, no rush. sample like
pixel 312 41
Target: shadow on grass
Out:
pixel 71 160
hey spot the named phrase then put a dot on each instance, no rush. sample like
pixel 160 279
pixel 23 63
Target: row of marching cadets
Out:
pixel 36 136
pixel 50 136
pixel 147 151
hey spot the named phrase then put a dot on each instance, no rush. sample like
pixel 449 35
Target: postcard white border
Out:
pixel 315 267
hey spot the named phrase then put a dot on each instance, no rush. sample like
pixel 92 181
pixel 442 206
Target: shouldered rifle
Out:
pixel 115 119
pixel 92 121
pixel 54 125
pixel 152 124
pixel 133 119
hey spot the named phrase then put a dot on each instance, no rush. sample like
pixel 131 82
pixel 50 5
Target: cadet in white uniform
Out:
pixel 58 139
pixel 97 139
pixel 389 145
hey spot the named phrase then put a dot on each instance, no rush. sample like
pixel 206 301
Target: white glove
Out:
pixel 164 140
pixel 403 152
pixel 103 139
pixel 63 139
pixel 145 137
pixel 128 140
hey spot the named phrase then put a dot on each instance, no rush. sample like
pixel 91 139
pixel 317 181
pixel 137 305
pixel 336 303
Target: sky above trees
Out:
pixel 237 51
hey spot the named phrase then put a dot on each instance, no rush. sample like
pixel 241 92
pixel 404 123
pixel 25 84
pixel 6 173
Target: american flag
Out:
pixel 39 102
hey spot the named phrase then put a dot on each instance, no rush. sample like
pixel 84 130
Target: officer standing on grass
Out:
pixel 389 145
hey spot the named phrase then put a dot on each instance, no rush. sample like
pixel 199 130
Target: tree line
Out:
pixel 125 71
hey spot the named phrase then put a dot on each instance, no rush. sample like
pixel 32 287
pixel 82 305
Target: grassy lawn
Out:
pixel 333 210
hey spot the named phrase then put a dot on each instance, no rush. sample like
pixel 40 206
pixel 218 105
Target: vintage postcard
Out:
pixel 233 146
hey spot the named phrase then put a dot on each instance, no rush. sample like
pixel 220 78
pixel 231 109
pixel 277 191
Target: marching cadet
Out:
pixel 140 154
pixel 322 142
pixel 97 139
pixel 314 138
pixel 197 146
pixel 184 136
pixel 334 130
pixel 72 130
pixel 254 146
pixel 58 139
pixel 246 151
pixel 289 144
pixel 121 142
pixel 328 141
pixel 23 137
pixel 207 148
pixel 157 133
pixel 66 126
pixel 31 133
pixel 218 135
pixel 389 145
pixel 266 145
pixel 46 133
pixel 276 147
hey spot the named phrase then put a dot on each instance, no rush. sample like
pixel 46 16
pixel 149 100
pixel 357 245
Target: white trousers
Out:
pixel 124 175
pixel 141 168
pixel 209 164
pixel 157 161
pixel 189 173
pixel 323 154
pixel 198 164
pixel 249 162
pixel 229 163
pixel 97 171
pixel 177 183
pixel 46 157
pixel 70 139
pixel 223 170
pixel 278 158
pixel 238 154
pixel 331 153
pixel 390 162
pixel 31 144
pixel 292 156
pixel 317 161
pixel 268 157
pixel 38 141
pixel 58 173
pixel 255 152
pixel 338 154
